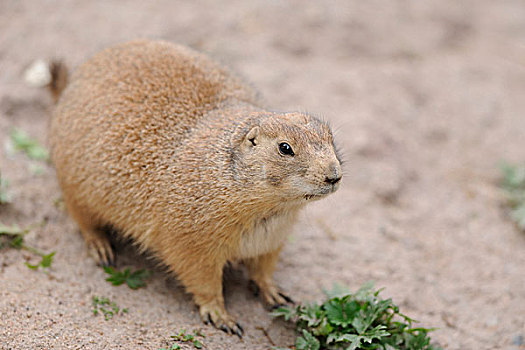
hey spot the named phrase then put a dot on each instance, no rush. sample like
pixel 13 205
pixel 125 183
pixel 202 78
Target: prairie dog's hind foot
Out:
pixel 271 295
pixel 261 270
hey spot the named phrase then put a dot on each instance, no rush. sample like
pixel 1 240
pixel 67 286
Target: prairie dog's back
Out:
pixel 151 82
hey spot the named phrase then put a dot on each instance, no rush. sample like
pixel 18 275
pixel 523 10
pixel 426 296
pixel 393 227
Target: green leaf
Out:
pixel 47 260
pixel 353 339
pixel 513 183
pixel 116 278
pixel 341 313
pixel 324 328
pixel 518 215
pixel 197 332
pixel 4 196
pixel 307 342
pixel 356 340
pixel 312 314
pixel 338 291
pixel 133 279
pixel 32 267
pixel 11 230
pixel 17 242
pixel 366 291
pixel 513 176
pixel 44 263
pixel 283 311
pixel 136 279
pixel 197 344
pixel 22 142
pixel 36 169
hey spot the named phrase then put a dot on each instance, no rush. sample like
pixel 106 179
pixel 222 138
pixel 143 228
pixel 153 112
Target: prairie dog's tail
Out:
pixel 59 78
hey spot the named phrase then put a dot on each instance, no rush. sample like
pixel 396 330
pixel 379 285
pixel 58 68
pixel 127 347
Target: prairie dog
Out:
pixel 173 151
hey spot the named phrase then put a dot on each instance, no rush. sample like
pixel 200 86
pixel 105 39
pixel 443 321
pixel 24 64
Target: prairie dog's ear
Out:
pixel 252 137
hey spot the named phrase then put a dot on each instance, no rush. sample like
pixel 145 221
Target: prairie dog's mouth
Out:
pixel 322 192
pixel 310 196
pixel 315 196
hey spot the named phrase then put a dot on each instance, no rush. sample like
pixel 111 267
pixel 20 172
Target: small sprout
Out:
pixel 134 279
pixel 513 183
pixel 184 337
pixel 4 195
pixel 107 307
pixel 58 203
pixel 36 169
pixel 22 142
pixel 45 263
pixel 14 235
pixel 199 333
pixel 173 347
pixel 354 321
pixel 17 242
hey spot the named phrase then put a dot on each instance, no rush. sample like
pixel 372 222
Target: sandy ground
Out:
pixel 426 98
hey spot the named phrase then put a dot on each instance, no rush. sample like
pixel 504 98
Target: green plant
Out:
pixel 4 196
pixel 354 321
pixel 172 347
pixel 14 237
pixel 513 183
pixel 46 262
pixel 183 337
pixel 107 307
pixel 22 142
pixel 134 279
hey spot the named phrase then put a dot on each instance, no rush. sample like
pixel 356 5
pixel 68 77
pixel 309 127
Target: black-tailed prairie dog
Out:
pixel 173 151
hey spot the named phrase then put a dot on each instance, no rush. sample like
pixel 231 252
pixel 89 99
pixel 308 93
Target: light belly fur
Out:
pixel 267 236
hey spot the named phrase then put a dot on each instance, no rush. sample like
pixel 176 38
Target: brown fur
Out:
pixel 175 152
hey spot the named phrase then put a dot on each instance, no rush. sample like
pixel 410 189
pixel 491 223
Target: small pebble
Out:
pixel 491 322
pixel 38 74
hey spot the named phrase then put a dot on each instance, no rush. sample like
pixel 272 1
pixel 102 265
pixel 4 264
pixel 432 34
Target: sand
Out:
pixel 426 99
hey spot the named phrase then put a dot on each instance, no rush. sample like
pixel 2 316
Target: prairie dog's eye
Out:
pixel 285 149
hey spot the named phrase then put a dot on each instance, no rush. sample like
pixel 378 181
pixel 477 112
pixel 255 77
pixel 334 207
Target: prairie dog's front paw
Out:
pixel 99 248
pixel 218 316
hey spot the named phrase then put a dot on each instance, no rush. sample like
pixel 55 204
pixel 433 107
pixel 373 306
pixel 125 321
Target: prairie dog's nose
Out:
pixel 334 173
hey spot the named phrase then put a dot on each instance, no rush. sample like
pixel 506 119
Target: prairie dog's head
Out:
pixel 293 154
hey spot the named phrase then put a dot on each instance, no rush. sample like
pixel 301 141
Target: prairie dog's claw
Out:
pixel 220 319
pixel 272 296
pixel 101 251
pixel 239 331
pixel 287 298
